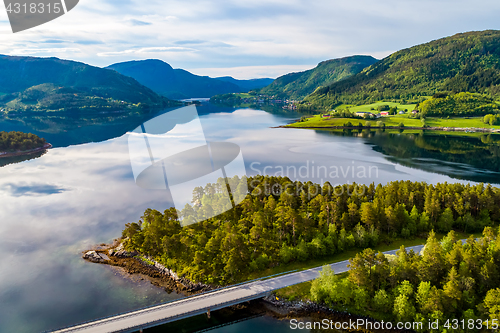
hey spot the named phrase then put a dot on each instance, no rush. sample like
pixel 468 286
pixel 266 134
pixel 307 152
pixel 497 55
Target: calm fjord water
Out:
pixel 80 194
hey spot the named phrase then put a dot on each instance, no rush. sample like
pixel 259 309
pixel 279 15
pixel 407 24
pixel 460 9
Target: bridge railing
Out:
pixel 189 298
pixel 151 307
pixel 188 313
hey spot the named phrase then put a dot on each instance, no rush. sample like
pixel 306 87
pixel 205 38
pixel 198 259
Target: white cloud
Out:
pixel 236 33
pixel 135 22
pixel 31 51
pixel 146 50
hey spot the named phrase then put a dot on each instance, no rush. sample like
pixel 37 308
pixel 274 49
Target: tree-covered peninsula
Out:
pixel 19 141
pixel 281 221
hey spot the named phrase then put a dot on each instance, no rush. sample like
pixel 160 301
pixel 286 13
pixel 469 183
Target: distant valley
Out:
pixel 181 84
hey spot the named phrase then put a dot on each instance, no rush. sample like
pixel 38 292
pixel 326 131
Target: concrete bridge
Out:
pixel 204 303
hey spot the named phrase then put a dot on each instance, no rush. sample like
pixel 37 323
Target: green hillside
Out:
pixel 36 84
pixel 467 62
pixel 298 85
pixel 461 104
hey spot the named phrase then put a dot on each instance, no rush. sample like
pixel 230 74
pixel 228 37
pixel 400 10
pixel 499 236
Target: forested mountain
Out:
pixel 33 84
pixel 466 62
pixel 281 221
pixel 300 84
pixel 178 83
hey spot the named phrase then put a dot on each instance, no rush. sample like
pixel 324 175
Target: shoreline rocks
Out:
pixel 444 129
pixel 135 262
pixel 162 277
pixel 285 307
pixel 282 308
pixel 26 152
pixel 94 256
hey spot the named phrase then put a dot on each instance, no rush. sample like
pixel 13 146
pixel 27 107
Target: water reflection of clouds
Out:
pixel 57 289
pixel 53 208
pixel 81 192
pixel 42 275
pixel 32 189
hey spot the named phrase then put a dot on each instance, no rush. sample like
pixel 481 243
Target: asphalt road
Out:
pixel 133 321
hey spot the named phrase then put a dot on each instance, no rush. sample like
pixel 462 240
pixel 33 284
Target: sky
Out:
pixel 244 39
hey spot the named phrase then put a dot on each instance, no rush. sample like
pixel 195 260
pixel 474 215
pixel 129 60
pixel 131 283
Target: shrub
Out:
pixel 492 119
pixel 440 95
pixel 461 104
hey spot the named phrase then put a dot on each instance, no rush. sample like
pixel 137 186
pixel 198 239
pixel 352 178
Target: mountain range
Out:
pixel 181 84
pixel 465 62
pixel 35 84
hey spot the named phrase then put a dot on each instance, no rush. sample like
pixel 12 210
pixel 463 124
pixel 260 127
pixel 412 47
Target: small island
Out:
pixel 19 143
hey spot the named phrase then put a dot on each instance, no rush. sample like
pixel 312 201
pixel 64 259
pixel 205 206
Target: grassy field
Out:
pixel 244 95
pixel 302 290
pixel 473 122
pixel 373 107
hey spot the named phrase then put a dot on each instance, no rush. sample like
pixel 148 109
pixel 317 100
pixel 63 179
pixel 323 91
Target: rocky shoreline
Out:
pixel 444 129
pixel 136 263
pixel 26 152
pixel 161 276
pixel 308 310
